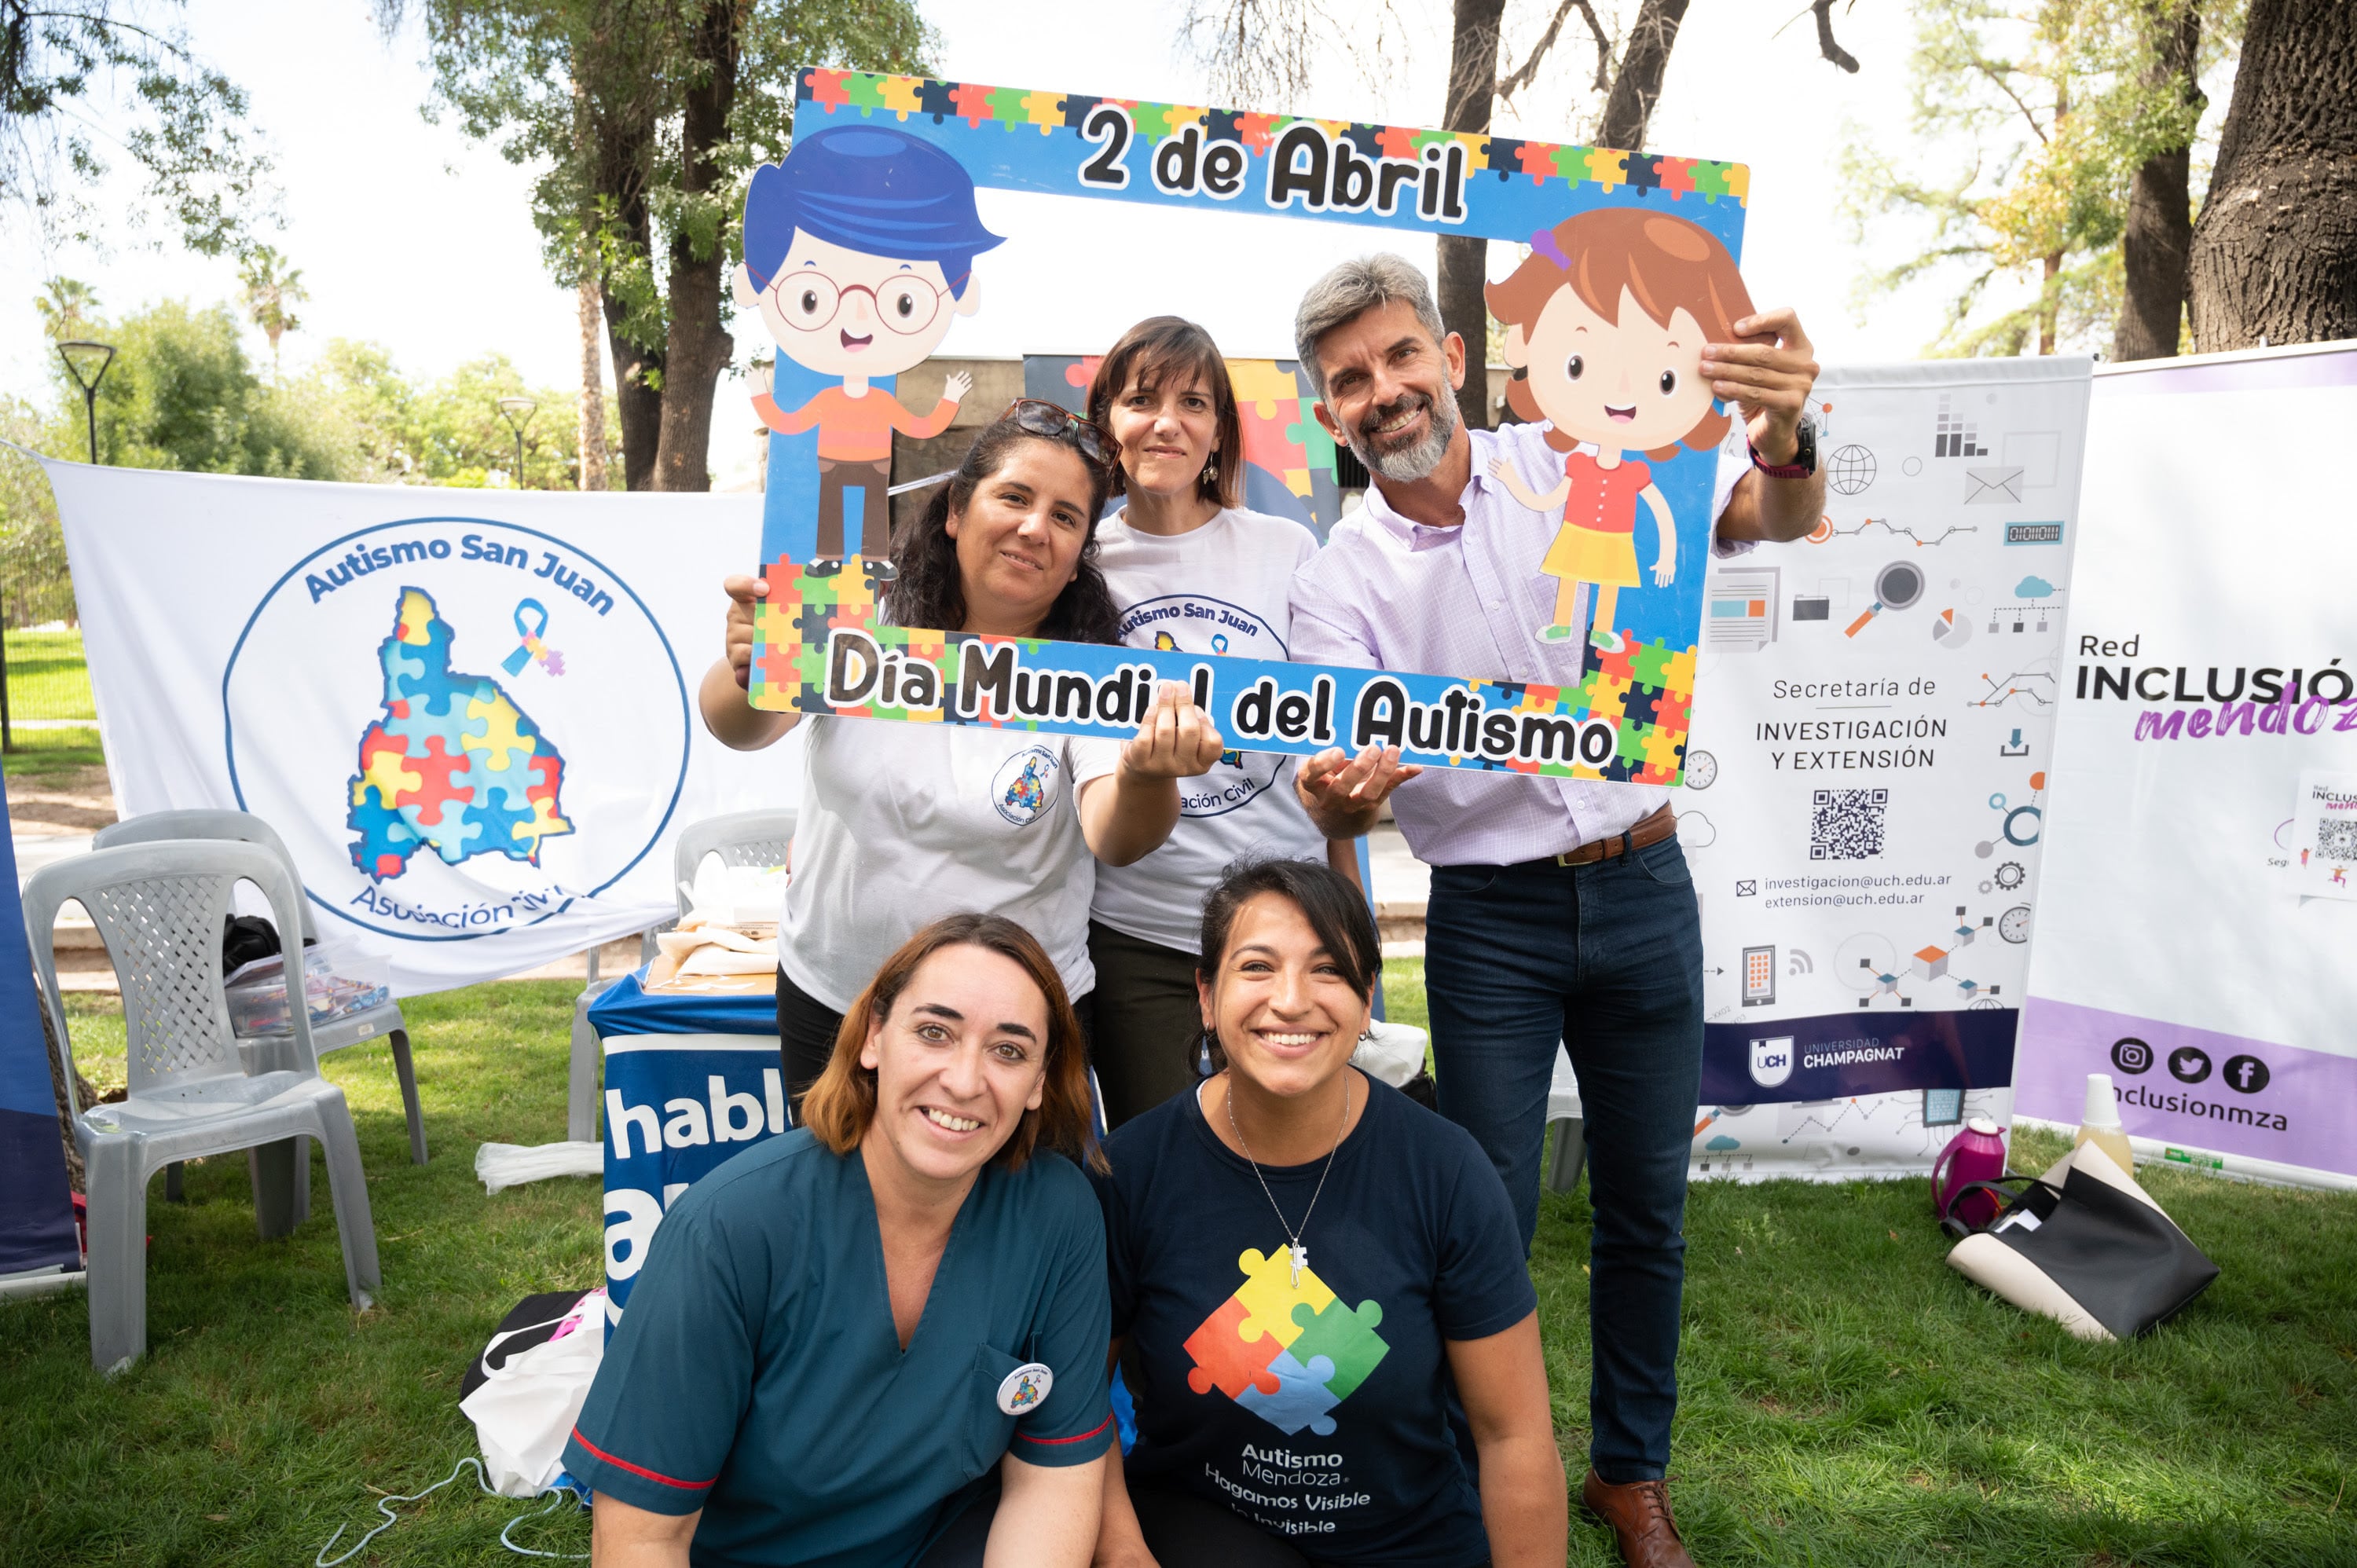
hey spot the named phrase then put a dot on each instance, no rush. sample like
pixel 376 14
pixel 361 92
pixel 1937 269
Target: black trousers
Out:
pixel 1148 1020
pixel 807 1028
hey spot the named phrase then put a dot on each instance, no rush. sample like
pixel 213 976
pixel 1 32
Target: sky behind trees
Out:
pixel 411 237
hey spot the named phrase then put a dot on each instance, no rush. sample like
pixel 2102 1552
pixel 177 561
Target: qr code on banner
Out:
pixel 1846 824
pixel 2336 840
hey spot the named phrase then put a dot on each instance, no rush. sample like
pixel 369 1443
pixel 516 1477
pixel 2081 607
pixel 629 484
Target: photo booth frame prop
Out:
pixel 821 645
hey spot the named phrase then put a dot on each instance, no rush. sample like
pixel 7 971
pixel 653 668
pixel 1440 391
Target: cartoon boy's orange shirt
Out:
pixel 855 429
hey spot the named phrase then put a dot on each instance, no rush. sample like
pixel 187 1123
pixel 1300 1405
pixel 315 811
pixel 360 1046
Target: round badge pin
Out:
pixel 1023 1388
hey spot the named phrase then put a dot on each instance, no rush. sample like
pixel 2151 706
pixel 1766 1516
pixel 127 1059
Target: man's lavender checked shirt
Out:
pixel 1468 601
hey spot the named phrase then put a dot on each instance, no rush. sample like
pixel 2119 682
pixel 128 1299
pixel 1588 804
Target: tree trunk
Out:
pixel 2275 253
pixel 592 442
pixel 638 369
pixel 2050 309
pixel 698 348
pixel 589 441
pixel 1464 259
pixel 637 405
pixel 2161 199
pixel 1637 85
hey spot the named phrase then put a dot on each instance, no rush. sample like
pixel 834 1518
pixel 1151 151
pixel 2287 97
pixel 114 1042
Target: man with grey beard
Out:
pixel 1561 911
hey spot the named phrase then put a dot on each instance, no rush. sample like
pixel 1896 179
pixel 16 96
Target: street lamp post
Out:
pixel 517 412
pixel 67 352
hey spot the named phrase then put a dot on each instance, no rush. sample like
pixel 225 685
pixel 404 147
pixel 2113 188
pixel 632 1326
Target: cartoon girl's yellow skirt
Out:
pixel 1590 555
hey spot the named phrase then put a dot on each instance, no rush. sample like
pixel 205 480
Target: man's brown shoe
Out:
pixel 1639 1514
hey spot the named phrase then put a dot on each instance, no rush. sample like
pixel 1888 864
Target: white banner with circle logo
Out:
pixel 1864 800
pixel 469 714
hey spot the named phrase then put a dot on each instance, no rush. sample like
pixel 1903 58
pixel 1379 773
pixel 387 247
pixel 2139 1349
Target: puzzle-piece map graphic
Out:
pixel 1288 1352
pixel 453 766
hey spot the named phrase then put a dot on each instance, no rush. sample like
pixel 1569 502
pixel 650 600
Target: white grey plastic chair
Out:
pixel 245 827
pixel 1566 1141
pixel 739 838
pixel 195 1088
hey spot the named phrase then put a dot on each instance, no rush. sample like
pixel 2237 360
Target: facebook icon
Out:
pixel 2248 1074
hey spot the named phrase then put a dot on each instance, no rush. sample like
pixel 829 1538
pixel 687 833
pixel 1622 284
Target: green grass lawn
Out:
pixel 1846 1398
pixel 42 751
pixel 49 680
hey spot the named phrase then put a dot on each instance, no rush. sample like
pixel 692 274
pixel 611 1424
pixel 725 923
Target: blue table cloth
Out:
pixel 626 1008
pixel 691 1081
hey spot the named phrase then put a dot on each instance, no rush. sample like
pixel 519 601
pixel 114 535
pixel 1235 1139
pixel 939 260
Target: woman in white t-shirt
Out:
pixel 1188 569
pixel 902 824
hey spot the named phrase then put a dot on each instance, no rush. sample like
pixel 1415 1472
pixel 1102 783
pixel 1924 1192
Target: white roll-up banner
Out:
pixel 469 714
pixel 1864 802
pixel 2198 937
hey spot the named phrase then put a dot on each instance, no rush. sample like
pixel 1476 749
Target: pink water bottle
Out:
pixel 1976 1154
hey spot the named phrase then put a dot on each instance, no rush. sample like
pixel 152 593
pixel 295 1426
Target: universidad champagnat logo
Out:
pixel 459 727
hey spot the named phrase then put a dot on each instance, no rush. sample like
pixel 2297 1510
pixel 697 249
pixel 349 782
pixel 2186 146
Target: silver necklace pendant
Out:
pixel 1297 1253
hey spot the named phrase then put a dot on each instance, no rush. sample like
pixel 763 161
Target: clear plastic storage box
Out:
pixel 257 995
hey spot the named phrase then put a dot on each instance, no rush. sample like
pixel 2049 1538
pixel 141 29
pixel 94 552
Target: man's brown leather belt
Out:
pixel 1652 831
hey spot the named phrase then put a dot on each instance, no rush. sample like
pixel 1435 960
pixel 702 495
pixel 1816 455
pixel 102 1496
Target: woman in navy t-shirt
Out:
pixel 1302 1261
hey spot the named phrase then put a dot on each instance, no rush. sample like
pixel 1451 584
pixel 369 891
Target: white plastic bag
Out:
pixel 499 1165
pixel 1393 1052
pixel 524 1409
pixel 736 894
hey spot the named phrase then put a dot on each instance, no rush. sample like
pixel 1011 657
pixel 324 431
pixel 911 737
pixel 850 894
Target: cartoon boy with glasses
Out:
pixel 859 254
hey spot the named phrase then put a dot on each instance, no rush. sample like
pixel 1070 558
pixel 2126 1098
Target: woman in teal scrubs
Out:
pixel 879 1340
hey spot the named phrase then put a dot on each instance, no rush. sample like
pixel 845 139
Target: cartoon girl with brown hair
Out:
pixel 1606 321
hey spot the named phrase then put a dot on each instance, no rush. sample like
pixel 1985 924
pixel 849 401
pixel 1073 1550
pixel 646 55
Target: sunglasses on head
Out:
pixel 1054 421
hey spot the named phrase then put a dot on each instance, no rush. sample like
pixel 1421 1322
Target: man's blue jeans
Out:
pixel 1606 958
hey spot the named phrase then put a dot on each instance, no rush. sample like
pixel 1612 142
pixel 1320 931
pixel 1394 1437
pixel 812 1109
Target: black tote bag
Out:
pixel 2088 1247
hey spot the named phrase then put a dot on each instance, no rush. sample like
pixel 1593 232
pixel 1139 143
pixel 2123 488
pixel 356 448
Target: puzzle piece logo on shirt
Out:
pixel 1025 786
pixel 1193 623
pixel 1287 1350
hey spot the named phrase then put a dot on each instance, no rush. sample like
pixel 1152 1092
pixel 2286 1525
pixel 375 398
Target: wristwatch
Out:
pixel 1804 454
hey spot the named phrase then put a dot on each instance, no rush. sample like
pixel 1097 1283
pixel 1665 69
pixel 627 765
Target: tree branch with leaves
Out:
pixel 2044 114
pixel 645 119
pixel 83 81
pixel 271 287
